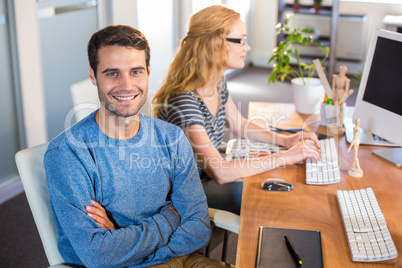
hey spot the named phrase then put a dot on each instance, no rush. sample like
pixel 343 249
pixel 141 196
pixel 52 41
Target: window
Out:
pixel 9 134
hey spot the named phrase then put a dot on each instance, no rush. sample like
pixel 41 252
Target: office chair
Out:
pixel 226 221
pixel 85 100
pixel 32 173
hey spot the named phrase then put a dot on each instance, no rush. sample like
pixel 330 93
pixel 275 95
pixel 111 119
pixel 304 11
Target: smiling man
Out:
pixel 112 205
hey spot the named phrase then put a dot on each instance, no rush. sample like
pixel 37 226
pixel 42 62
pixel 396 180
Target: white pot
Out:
pixel 307 98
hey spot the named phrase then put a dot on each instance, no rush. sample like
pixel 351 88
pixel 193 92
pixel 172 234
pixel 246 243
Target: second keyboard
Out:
pixel 365 226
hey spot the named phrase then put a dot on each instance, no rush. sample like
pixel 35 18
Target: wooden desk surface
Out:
pixel 315 207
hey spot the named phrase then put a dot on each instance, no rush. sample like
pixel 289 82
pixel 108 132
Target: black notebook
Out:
pixel 273 252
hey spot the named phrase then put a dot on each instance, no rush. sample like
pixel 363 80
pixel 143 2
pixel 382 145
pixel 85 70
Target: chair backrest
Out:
pixel 86 100
pixel 32 173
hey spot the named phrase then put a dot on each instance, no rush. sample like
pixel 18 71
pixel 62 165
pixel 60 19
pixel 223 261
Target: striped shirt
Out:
pixel 186 109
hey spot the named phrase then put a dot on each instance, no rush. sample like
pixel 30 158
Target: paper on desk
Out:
pixel 323 78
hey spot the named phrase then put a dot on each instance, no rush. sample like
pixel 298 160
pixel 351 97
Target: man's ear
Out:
pixel 149 69
pixel 92 76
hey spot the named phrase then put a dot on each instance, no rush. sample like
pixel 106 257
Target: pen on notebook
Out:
pixel 292 250
pixel 293 130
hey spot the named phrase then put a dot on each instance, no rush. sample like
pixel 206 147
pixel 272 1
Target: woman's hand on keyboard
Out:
pixel 292 140
pixel 301 151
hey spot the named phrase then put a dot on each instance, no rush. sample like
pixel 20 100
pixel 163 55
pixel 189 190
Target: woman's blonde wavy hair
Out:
pixel 201 56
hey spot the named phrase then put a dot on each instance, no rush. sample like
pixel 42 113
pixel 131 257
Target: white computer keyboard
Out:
pixel 243 148
pixel 327 170
pixel 366 229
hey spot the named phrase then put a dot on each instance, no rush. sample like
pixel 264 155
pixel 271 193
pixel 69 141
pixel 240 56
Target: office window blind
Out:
pixel 9 143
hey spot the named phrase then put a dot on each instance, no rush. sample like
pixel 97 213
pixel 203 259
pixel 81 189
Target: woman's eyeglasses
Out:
pixel 241 41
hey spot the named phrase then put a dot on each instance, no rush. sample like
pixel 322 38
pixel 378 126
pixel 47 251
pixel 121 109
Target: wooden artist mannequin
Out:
pixel 340 91
pixel 355 170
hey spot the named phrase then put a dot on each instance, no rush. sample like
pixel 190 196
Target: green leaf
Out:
pixel 286 59
pixel 299 38
pixel 272 78
pixel 291 38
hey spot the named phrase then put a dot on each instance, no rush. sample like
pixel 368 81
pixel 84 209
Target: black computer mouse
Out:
pixel 274 184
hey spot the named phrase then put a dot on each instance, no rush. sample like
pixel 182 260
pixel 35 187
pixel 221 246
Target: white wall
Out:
pixel 265 17
pixel 124 12
pixel 266 13
pixel 33 101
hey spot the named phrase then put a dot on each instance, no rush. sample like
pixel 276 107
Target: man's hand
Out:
pixel 98 214
pixel 175 211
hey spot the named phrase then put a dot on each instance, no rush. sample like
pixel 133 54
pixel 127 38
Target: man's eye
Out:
pixel 112 74
pixel 136 72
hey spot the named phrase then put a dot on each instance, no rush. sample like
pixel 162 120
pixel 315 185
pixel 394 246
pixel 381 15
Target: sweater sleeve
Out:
pixel 189 199
pixel 71 188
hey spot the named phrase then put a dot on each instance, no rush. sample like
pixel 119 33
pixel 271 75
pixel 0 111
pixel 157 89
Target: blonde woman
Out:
pixel 195 97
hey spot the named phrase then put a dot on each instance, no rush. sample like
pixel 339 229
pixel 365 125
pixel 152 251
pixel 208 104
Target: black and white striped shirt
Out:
pixel 186 109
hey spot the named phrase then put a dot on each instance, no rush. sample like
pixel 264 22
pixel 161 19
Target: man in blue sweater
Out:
pixel 124 187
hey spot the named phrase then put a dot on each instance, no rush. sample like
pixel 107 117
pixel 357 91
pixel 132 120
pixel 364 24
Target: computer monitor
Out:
pixel 379 100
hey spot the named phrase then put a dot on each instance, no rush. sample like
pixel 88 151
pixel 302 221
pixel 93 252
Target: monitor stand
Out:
pixel 393 155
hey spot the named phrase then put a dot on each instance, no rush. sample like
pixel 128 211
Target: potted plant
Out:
pixel 317 5
pixel 288 65
pixel 296 5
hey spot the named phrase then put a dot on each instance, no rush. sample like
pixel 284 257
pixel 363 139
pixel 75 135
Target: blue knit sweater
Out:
pixel 135 180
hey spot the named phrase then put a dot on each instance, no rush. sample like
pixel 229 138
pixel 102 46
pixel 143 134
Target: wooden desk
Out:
pixel 315 207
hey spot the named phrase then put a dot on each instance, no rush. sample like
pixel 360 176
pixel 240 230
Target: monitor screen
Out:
pixel 384 82
pixel 379 100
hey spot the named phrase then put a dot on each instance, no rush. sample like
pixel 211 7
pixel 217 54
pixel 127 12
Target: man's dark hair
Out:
pixel 116 35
